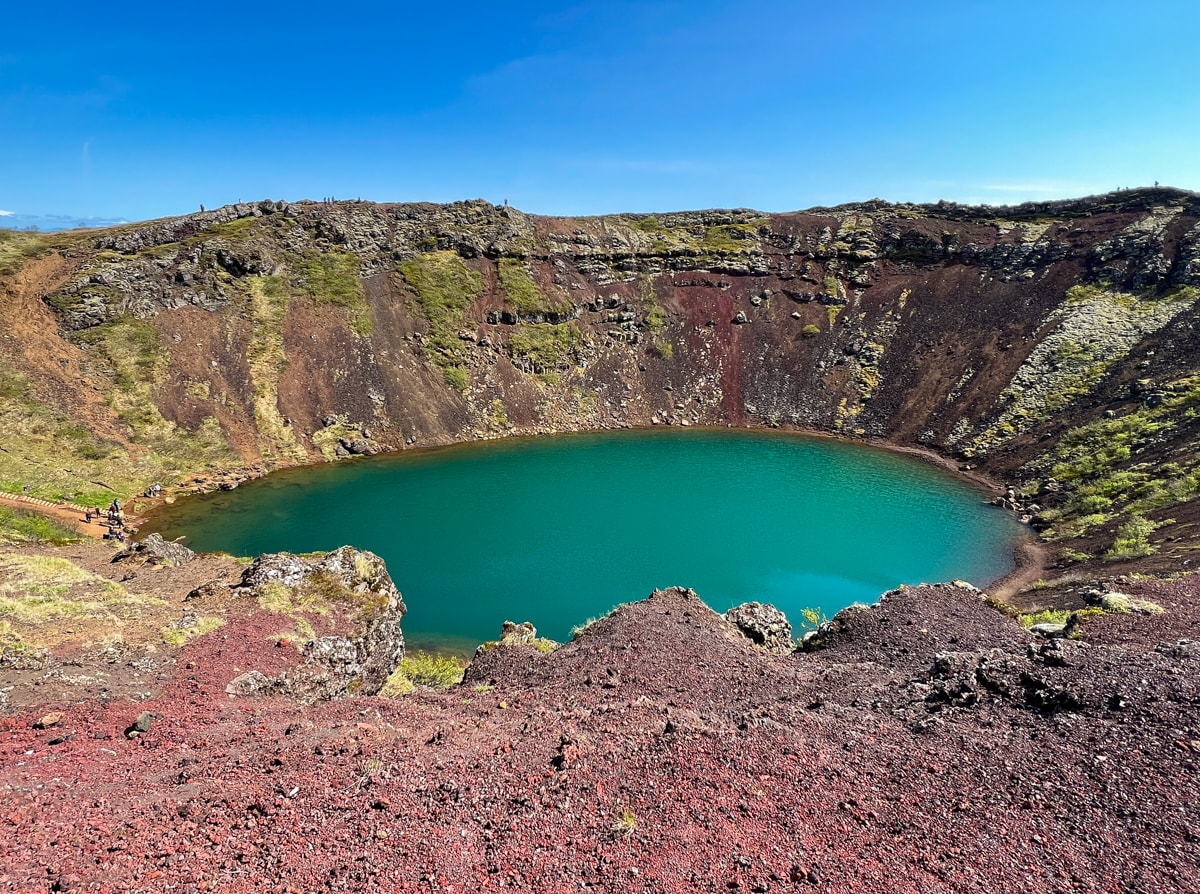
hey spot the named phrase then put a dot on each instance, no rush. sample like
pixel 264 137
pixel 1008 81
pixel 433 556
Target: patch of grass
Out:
pixel 626 822
pixel 730 238
pixel 326 439
pixel 18 526
pixel 427 670
pixel 812 618
pixel 281 600
pixel 396 685
pixel 332 277
pixel 648 224
pixel 267 307
pixel 457 378
pixel 522 292
pixel 178 635
pixel 810 330
pixel 47 588
pixel 1133 539
pixel 234 230
pixel 445 289
pixel 18 246
pixel 1056 616
pixel 663 349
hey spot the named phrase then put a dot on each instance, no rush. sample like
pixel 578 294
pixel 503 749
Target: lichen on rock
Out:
pixel 358 663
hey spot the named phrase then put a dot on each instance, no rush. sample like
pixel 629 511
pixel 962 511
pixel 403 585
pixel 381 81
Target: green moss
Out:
pixel 542 348
pixel 522 292
pixel 332 277
pixel 445 289
pixel 18 247
pixel 1056 616
pixel 1094 464
pixel 810 330
pixel 456 377
pixel 730 238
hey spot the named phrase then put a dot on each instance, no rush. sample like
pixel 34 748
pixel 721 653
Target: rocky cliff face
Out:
pixel 1052 345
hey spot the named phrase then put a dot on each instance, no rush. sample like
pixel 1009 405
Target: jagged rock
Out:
pixel 142 725
pixel 1050 629
pixel 252 683
pixel 358 446
pixel 153 550
pixel 763 623
pixel 523 634
pixel 334 666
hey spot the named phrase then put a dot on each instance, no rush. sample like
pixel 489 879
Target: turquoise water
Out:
pixel 560 529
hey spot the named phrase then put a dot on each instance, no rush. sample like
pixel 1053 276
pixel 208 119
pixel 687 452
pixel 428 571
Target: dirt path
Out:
pixel 66 513
pixel 1031 558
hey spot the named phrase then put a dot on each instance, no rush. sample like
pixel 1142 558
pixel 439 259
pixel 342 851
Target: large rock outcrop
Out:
pixel 356 585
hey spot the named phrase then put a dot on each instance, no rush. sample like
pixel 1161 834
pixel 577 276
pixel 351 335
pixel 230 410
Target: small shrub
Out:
pixel 1133 539
pixel 812 618
pixel 810 330
pixel 663 349
pixel 456 377
pixel 626 822
pixel 432 671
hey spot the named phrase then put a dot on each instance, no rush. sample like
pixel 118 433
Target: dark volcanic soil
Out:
pixel 931 745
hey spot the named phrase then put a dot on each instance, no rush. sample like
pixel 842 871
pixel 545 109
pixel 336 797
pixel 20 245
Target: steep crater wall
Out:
pixel 1050 345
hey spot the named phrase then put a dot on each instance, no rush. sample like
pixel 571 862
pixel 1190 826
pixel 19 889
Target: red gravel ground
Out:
pixel 660 751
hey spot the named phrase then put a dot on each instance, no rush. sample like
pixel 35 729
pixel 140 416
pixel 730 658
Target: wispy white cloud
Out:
pixel 4 213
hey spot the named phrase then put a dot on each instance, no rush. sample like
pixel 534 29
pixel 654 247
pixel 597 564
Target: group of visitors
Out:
pixel 114 517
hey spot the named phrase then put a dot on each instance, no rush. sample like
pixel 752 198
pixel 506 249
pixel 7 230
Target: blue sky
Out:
pixel 139 110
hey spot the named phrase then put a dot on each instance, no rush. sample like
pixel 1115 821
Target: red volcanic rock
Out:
pixel 660 751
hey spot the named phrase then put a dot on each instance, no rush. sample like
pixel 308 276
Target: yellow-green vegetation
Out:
pixel 812 618
pixel 810 330
pixel 663 348
pixel 626 822
pixel 1133 538
pixel 445 288
pixel 1092 466
pixel 544 348
pixel 47 588
pixel 326 439
pixel 1057 616
pixel 60 459
pixel 730 238
pixel 332 277
pixel 427 670
pixel 740 237
pixel 497 415
pixel 19 246
pixel 231 231
pixel 656 317
pixel 522 292
pixel 18 526
pixel 12 644
pixel 1096 329
pixel 267 306
pixel 177 635
pixel 292 601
